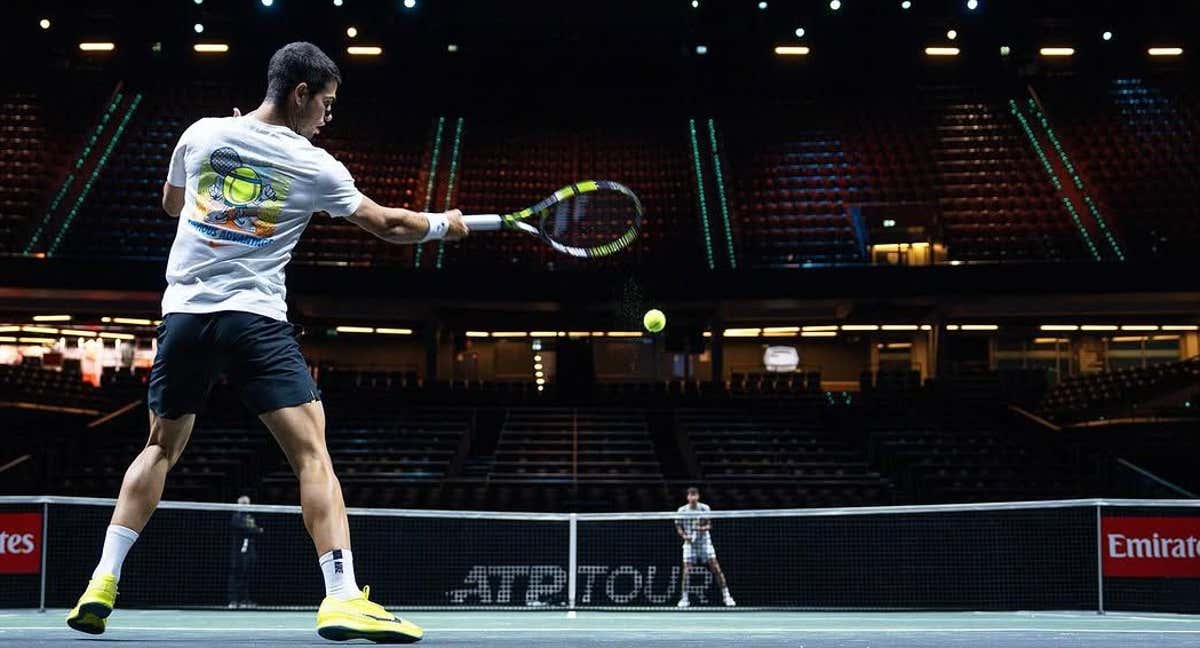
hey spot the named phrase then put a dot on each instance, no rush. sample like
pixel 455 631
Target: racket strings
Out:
pixel 591 220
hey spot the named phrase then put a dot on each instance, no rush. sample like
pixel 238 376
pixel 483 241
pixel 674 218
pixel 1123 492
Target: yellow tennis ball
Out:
pixel 242 186
pixel 654 320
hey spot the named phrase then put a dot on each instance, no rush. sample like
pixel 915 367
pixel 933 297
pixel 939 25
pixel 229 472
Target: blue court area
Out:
pixel 693 629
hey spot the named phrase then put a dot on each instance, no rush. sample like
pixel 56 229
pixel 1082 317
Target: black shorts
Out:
pixel 260 356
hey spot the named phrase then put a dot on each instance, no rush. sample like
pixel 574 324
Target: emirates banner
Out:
pixel 20 543
pixel 1151 547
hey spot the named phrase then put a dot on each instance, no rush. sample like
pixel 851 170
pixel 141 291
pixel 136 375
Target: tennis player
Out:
pixel 244 188
pixel 693 528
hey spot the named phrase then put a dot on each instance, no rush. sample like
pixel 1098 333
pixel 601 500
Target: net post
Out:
pixel 45 541
pixel 1099 563
pixel 572 560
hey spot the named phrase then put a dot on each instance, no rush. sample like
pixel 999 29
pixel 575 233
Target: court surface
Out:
pixel 694 629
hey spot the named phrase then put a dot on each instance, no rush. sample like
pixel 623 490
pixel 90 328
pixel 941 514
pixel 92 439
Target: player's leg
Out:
pixel 179 383
pixel 684 580
pixel 715 568
pixel 275 383
pixel 300 432
pixel 142 487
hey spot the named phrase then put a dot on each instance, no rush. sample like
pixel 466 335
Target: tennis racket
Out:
pixel 589 219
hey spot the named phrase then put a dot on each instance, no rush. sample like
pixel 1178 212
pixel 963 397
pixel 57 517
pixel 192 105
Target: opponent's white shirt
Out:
pixel 251 188
pixel 691 519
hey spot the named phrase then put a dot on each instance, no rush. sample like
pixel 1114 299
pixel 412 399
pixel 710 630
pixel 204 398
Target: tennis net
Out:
pixel 1068 554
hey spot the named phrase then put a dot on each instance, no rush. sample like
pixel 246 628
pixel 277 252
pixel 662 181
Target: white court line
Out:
pixel 659 630
pixel 1155 618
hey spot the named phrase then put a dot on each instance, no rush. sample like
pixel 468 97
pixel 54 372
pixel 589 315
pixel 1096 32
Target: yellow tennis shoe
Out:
pixel 359 618
pixel 91 612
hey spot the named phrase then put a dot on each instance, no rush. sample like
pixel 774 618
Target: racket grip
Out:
pixel 483 222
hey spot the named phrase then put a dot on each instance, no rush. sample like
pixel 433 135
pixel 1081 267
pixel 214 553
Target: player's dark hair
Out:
pixel 297 63
pixel 693 489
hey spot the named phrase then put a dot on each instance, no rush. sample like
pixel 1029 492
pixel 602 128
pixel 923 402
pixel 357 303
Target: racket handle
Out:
pixel 483 222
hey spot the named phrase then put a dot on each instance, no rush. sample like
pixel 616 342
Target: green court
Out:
pixel 695 629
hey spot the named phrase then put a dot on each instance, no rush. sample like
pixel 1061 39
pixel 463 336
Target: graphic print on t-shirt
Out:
pixel 237 201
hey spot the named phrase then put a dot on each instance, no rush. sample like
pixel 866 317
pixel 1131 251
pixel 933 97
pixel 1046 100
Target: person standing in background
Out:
pixel 242 556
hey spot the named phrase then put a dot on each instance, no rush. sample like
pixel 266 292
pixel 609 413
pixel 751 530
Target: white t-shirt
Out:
pixel 251 188
pixel 691 519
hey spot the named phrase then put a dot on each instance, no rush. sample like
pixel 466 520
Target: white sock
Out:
pixel 338 568
pixel 118 540
pixel 726 592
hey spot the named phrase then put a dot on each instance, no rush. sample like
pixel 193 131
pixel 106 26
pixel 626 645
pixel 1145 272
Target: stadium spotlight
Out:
pixel 695 4
pixel 835 4
pixel 44 23
pixel 941 51
pixel 1106 35
pixel 352 32
pixel 791 50
pixel 198 1
pixel 452 47
pixel 210 48
pixel 906 5
pixel 97 47
pixel 1057 51
pixel 1165 51
pixel 1005 50
pixel 369 50
pixel 198 28
pixel 762 6
pixel 702 49
pixel 409 4
pixel 268 3
pixel 951 34
pixel 972 4
pixel 799 32
pixel 337 3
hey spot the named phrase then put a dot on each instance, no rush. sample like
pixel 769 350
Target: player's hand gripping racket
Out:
pixel 588 219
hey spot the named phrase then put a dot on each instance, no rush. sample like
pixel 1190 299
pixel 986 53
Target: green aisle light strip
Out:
pixel 712 140
pixel 708 251
pixel 458 128
pixel 87 187
pixel 70 179
pixel 433 164
pixel 1075 177
pixel 1087 239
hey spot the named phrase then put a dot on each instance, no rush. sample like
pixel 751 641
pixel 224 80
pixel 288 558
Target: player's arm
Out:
pixel 172 200
pixel 174 191
pixel 683 534
pixel 399 225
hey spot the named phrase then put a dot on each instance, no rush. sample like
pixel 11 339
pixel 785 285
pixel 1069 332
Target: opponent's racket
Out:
pixel 588 219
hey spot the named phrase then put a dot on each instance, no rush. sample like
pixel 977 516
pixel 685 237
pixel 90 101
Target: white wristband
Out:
pixel 438 224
